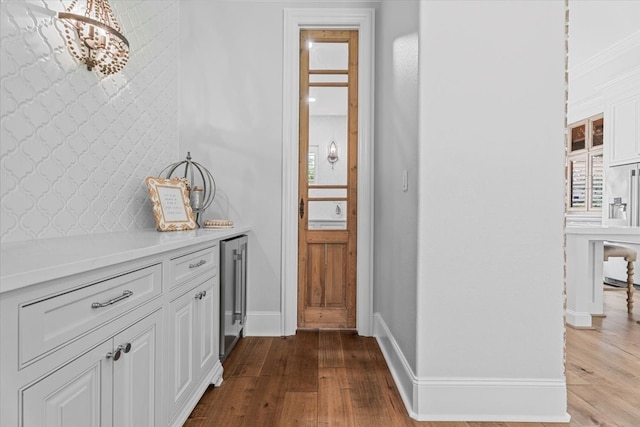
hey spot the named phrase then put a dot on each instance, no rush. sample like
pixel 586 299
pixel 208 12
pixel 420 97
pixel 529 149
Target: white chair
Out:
pixel 612 250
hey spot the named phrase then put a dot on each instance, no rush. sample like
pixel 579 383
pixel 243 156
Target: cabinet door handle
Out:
pixel 125 294
pixel 237 297
pixel 200 295
pixel 198 264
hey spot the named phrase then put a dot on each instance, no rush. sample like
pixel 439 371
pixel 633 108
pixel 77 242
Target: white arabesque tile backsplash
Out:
pixel 75 146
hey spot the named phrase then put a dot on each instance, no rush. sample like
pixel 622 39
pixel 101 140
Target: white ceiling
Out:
pixel 595 25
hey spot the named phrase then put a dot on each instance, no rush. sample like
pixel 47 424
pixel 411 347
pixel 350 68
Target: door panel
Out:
pixel 181 336
pixel 335 276
pixel 79 394
pixel 208 353
pixel 328 179
pixel 136 375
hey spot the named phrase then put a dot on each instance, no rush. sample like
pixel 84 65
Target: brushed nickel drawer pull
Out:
pixel 125 294
pixel 198 264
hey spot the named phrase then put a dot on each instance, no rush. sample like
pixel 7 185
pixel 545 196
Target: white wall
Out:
pixel 396 211
pixel 604 44
pixel 75 146
pixel 596 25
pixel 231 121
pixel 490 250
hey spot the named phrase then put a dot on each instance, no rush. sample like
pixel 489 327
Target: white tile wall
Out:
pixel 75 146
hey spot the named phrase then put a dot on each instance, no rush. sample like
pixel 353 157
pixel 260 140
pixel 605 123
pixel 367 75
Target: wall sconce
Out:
pixel 93 36
pixel 333 153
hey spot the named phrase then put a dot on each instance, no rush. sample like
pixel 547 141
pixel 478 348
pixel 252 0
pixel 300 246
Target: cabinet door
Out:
pixel 624 129
pixel 193 340
pixel 208 321
pixel 180 349
pixel 136 383
pixel 78 394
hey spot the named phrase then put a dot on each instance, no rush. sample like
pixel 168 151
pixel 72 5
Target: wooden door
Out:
pixel 328 179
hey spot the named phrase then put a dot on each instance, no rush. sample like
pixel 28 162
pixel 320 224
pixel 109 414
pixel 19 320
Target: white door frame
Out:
pixel 294 20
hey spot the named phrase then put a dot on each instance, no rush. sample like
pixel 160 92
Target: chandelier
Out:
pixel 93 36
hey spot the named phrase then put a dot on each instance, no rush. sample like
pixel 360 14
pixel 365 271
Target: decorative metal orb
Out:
pixel 202 186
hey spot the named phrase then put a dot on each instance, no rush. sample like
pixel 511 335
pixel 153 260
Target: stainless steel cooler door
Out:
pixel 233 269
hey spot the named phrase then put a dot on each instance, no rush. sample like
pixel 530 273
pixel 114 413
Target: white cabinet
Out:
pixel 113 384
pixel 49 322
pixel 193 343
pixel 207 326
pixel 120 334
pixel 622 118
pixel 76 395
pixel 136 374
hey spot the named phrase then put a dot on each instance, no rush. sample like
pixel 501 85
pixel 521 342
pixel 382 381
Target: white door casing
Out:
pixel 294 20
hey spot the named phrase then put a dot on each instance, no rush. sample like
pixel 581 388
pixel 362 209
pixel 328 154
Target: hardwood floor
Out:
pixel 332 378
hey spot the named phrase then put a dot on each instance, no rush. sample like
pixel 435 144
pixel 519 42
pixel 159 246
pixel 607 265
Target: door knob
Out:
pixel 125 347
pixel 115 355
pixel 122 348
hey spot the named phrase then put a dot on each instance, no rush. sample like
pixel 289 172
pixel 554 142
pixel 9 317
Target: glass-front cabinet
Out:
pixel 585 177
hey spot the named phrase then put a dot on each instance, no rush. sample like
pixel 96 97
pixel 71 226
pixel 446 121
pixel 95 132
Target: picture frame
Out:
pixel 170 202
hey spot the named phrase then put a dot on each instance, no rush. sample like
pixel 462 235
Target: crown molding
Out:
pixel 605 56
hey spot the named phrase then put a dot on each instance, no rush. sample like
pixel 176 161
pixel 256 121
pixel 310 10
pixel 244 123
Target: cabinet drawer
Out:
pixel 51 322
pixel 185 267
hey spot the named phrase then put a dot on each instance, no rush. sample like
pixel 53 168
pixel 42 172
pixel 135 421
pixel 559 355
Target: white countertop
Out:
pixel 632 232
pixel 33 261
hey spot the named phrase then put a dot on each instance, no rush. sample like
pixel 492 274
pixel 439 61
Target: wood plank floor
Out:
pixel 332 378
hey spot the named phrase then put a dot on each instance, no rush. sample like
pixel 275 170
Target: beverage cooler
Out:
pixel 233 292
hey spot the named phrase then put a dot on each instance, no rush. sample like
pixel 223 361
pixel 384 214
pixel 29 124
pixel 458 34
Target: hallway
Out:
pixel 332 378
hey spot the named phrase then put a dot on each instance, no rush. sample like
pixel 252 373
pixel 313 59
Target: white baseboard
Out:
pixel 263 324
pixel 400 370
pixel 472 399
pixel 489 399
pixel 578 320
